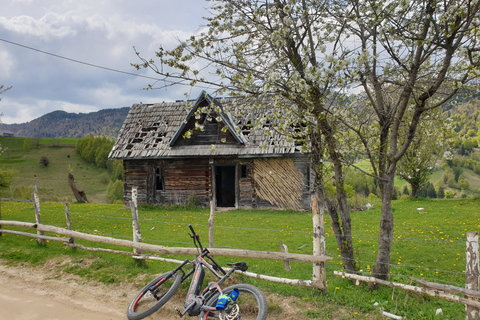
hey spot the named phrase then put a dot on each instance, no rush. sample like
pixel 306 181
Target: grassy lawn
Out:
pixel 52 179
pixel 428 244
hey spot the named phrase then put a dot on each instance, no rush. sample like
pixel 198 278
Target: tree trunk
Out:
pixel 80 195
pixel 415 190
pixel 342 234
pixel 341 225
pixel 382 263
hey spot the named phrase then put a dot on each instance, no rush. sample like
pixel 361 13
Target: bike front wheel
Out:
pixel 154 295
pixel 251 303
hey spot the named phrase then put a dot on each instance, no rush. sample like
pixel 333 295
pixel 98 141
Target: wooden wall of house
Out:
pixel 269 182
pixel 135 173
pixel 184 181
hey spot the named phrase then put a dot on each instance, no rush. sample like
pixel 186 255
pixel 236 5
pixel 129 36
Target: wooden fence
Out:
pixel 472 282
pixel 139 248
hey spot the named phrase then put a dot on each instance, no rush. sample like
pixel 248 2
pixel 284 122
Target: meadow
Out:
pixel 429 243
pixel 52 179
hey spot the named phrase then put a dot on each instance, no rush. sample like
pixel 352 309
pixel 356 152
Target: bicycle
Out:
pixel 239 301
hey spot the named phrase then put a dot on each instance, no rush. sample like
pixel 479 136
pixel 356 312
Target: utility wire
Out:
pixel 78 61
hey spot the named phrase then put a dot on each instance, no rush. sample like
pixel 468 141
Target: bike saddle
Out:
pixel 242 266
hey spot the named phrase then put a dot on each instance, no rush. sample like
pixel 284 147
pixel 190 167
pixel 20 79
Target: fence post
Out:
pixel 284 249
pixel 472 273
pixel 211 223
pixel 319 270
pixel 1 218
pixel 137 235
pixel 69 224
pixel 36 206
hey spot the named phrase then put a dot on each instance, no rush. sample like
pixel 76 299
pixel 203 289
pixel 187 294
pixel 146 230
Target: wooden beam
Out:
pixel 172 250
pixel 35 236
pixel 447 288
pixel 292 282
pixel 430 292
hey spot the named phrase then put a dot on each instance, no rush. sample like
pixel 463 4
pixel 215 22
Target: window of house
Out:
pixel 159 179
pixel 243 171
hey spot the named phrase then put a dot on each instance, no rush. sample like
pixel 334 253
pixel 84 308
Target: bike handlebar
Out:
pixel 195 237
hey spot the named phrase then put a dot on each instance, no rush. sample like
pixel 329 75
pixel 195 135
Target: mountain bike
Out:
pixel 239 301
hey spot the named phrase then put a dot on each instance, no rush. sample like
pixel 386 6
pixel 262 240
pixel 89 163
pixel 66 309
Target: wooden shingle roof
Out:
pixel 156 131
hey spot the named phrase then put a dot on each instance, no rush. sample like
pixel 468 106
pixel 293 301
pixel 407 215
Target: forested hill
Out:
pixel 61 124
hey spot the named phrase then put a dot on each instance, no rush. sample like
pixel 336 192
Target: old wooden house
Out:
pixel 194 151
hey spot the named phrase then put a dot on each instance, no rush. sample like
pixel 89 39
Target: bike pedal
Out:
pixel 178 311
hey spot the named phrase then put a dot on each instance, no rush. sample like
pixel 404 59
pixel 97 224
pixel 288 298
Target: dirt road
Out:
pixel 40 293
pixel 31 294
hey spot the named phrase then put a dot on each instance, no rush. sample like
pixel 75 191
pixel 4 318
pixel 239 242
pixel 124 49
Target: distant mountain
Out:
pixel 61 124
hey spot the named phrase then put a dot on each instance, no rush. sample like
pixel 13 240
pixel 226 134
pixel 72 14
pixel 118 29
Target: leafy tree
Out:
pixel 6 177
pixel 419 160
pixel 26 144
pixel 115 191
pixel 457 172
pixel 408 58
pixel 441 192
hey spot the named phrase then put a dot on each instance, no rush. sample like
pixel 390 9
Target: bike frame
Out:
pixel 194 303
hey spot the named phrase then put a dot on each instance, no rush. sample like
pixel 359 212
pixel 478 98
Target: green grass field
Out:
pixel 428 244
pixel 52 179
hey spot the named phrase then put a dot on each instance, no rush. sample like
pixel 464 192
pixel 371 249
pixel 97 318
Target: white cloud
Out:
pixel 7 64
pixel 51 25
pixel 97 32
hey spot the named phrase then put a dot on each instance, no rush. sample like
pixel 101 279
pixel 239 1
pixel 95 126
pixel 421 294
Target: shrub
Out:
pixel 23 192
pixel 44 161
pixel 463 184
pixel 115 191
pixel 449 194
pixel 6 177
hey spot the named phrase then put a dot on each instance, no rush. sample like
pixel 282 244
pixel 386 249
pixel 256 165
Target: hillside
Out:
pixel 52 180
pixel 61 124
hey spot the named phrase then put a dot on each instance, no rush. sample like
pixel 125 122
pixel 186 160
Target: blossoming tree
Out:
pixel 350 79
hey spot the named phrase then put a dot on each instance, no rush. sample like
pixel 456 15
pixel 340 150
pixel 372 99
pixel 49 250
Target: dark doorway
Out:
pixel 225 186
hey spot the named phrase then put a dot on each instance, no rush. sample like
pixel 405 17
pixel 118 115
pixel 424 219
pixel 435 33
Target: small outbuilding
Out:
pixel 193 152
pixel 7 133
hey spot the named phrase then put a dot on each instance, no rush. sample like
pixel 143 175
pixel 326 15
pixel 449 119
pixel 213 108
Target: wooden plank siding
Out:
pixel 191 181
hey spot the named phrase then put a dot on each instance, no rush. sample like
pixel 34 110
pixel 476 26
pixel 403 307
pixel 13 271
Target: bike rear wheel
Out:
pixel 153 296
pixel 251 303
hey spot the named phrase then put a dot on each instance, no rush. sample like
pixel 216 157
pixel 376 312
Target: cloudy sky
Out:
pixel 98 32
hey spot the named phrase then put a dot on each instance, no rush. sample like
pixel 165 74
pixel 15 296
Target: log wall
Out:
pixel 190 181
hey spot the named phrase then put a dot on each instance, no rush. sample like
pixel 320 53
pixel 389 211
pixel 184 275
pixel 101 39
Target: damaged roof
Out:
pixel 166 130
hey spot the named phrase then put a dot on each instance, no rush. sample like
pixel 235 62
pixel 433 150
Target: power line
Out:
pixel 78 61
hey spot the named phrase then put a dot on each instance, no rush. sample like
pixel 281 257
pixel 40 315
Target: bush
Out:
pixel 449 194
pixel 23 192
pixel 115 191
pixel 44 161
pixel 463 184
pixel 6 177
